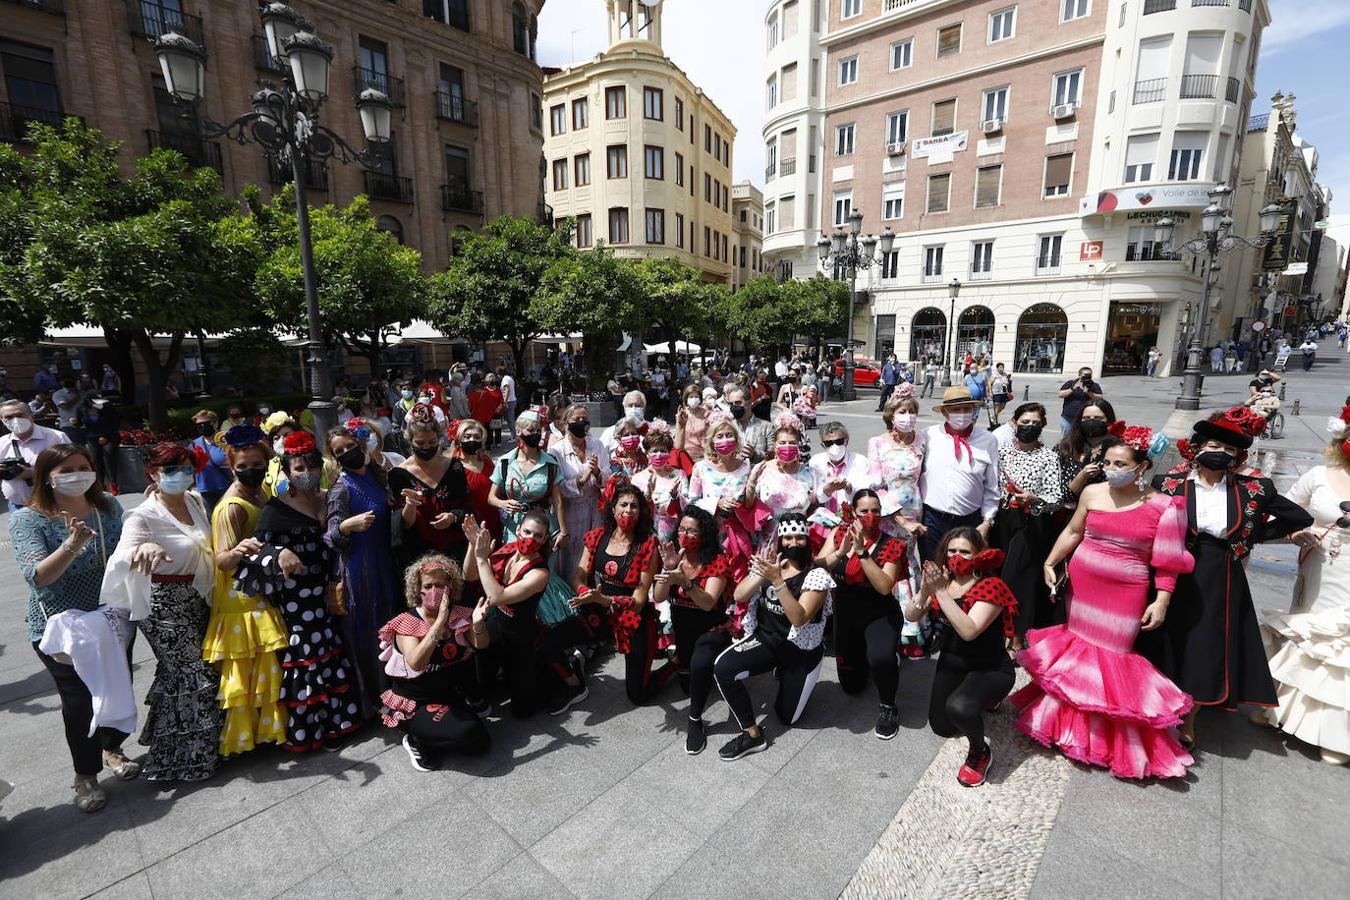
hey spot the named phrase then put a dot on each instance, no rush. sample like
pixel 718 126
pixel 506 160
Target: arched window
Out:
pixel 928 334
pixel 1041 334
pixel 975 332
pixel 520 29
pixel 391 225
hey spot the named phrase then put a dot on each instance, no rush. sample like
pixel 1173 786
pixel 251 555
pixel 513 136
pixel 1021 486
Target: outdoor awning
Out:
pixel 680 347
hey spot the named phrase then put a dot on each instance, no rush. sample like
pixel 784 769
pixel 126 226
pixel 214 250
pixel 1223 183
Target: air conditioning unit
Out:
pixel 1063 110
pixel 895 148
pixel 991 126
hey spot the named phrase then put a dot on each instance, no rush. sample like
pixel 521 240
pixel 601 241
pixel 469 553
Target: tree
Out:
pixel 756 315
pixel 368 283
pixel 675 300
pixel 595 293
pixel 155 253
pixel 819 305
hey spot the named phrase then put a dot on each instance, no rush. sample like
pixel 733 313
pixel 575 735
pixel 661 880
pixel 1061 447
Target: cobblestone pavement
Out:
pixel 603 802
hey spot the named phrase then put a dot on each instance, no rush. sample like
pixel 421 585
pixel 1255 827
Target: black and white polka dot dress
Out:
pixel 317 677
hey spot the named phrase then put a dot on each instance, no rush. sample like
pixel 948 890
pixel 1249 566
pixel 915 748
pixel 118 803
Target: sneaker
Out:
pixel 696 738
pixel 571 696
pixel 972 773
pixel 419 762
pixel 742 745
pixel 577 664
pixel 888 722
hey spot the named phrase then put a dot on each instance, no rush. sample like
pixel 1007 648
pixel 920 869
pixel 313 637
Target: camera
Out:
pixel 11 468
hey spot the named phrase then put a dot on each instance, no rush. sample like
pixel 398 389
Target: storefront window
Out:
pixel 885 337
pixel 1131 329
pixel 975 332
pixel 928 334
pixel 1041 334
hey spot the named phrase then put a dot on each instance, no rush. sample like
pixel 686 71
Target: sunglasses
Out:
pixel 178 470
pixel 834 443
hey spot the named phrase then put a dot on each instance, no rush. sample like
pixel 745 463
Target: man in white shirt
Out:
pixel 19 448
pixel 959 483
pixel 780 369
pixel 634 409
pixel 508 386
pixel 837 472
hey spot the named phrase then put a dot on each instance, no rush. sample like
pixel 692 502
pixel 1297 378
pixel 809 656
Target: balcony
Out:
pixel 788 167
pixel 383 82
pixel 389 187
pixel 1199 87
pixel 1259 123
pixel 1233 90
pixel 1150 90
pixel 770 171
pixel 316 173
pixel 263 59
pixel 1047 265
pixel 932 277
pixel 454 108
pixel 981 273
pixel 55 7
pixel 1157 6
pixel 1149 251
pixel 1209 2
pixel 195 150
pixel 456 197
pixel 150 19
pixel 14 121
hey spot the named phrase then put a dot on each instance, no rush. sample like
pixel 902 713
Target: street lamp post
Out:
pixel 852 253
pixel 949 348
pixel 285 122
pixel 1216 237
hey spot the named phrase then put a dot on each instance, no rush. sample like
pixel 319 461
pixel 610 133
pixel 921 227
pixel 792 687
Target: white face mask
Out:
pixel 279 446
pixel 20 425
pixel 633 412
pixel 691 402
pixel 72 484
pixel 905 422
pixel 960 421
pixel 836 452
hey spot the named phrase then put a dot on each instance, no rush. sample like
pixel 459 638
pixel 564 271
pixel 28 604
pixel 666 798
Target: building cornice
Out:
pixel 626 63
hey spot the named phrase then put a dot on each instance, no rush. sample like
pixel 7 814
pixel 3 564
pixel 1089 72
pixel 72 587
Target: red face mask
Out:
pixel 959 565
pixel 869 521
pixel 689 543
pixel 528 546
pixel 432 598
pixel 725 446
pixel 660 459
pixel 626 521
pixel 629 441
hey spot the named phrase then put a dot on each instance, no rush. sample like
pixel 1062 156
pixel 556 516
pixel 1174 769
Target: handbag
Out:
pixel 555 606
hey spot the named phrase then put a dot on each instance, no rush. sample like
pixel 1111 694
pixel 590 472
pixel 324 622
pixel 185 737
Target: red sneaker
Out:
pixel 976 766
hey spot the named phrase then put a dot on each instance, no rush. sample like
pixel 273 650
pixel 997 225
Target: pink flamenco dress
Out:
pixel 1091 695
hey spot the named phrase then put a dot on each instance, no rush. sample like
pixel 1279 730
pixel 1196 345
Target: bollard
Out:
pixel 1026 392
pixel 1282 387
pixel 1296 406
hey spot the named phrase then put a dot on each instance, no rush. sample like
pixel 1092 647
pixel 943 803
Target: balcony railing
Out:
pixel 1150 90
pixel 1259 123
pixel 1209 2
pixel 14 121
pixel 770 171
pixel 981 273
pixel 389 187
pixel 1048 265
pixel 55 7
pixel 198 152
pixel 316 173
pixel 454 108
pixel 387 84
pixel 1149 251
pixel 788 167
pixel 1233 91
pixel 932 277
pixel 150 19
pixel 1196 87
pixel 1157 6
pixel 456 197
pixel 262 56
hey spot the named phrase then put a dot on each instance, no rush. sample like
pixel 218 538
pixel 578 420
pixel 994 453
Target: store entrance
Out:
pixel 1131 331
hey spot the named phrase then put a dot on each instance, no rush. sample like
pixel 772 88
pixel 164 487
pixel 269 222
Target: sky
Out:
pixel 720 45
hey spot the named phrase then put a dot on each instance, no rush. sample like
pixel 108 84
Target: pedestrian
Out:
pixel 430 491
pixel 486 405
pixel 19 450
pixel 528 478
pixel 507 383
pixel 782 483
pixel 1309 350
pixel 960 480
pixel 634 411
pixel 890 377
pixel 894 461
pixel 45 380
pixel 665 484
pixel 112 382
pixel 214 477
pixel 1154 357
pixel 1216 358
pixel 1001 393
pixel 930 374
pixel 717 486
pixel 1075 395
pixel 837 472
pixel 1080 459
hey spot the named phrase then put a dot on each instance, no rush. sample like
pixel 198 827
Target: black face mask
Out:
pixel 425 453
pixel 206 429
pixel 471 448
pixel 250 478
pixel 532 440
pixel 737 411
pixel 1217 460
pixel 579 428
pixel 761 409
pixel 1092 428
pixel 798 555
pixel 1029 434
pixel 355 458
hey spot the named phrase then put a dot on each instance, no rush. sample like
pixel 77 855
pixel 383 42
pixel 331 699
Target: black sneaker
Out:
pixel 696 738
pixel 571 695
pixel 742 745
pixel 419 762
pixel 888 722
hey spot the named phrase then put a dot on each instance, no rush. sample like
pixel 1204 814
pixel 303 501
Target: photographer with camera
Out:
pixel 1076 395
pixel 19 448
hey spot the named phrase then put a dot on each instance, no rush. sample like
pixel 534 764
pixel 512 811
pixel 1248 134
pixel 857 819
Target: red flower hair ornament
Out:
pixel 298 443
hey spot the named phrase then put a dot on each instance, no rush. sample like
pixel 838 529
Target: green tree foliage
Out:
pixel 768 314
pixel 595 293
pixel 676 303
pixel 820 306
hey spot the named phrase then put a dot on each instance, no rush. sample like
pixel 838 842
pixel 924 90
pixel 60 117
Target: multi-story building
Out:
pixel 636 153
pixel 1026 149
pixel 747 230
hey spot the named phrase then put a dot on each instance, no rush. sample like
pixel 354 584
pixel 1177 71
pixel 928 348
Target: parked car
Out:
pixel 866 373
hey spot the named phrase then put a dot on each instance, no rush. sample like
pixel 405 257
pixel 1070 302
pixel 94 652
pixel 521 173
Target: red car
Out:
pixel 865 372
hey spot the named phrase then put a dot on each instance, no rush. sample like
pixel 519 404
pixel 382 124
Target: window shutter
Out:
pixel 1058 169
pixel 944 117
pixel 987 184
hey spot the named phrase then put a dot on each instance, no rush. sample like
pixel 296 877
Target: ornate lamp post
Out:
pixel 285 122
pixel 851 253
pixel 1216 236
pixel 949 350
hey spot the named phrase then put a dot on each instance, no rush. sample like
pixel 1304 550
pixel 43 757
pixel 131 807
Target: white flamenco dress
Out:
pixel 1309 646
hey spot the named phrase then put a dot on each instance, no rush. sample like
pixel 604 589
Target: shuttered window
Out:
pixel 939 186
pixel 944 117
pixel 987 180
pixel 949 40
pixel 1058 170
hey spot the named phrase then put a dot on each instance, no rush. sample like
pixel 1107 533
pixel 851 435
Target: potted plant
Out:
pixel 134 444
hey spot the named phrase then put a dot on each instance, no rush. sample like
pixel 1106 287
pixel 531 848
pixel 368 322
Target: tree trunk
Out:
pixel 157 375
pixel 119 346
pixel 518 359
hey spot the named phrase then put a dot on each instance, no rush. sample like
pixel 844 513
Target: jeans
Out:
pixel 510 416
pixel 928 381
pixel 938 523
pixel 886 391
pixel 1065 426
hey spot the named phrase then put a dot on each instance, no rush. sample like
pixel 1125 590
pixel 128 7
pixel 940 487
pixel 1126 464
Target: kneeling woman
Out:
pixel 787 601
pixel 974 672
pixel 427 655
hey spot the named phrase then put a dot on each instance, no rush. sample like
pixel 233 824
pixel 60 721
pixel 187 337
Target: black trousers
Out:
pixel 439 730
pixel 938 524
pixel 962 690
pixel 861 647
pixel 797 673
pixel 77 710
pixel 516 640
pixel 701 660
pixel 687 625
pixel 637 662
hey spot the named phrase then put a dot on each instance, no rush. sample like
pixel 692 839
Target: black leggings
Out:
pixel 797 673
pixel 637 662
pixel 77 710
pixel 962 691
pixel 706 650
pixel 439 729
pixel 860 647
pixel 687 625
pixel 516 638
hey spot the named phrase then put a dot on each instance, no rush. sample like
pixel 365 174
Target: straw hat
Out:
pixel 955 396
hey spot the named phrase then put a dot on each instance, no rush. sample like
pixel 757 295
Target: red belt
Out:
pixel 171 579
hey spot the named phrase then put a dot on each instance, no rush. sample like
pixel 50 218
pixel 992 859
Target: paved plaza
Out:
pixel 603 802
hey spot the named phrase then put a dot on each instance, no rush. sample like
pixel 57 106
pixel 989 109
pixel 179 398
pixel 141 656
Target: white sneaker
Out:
pixel 415 756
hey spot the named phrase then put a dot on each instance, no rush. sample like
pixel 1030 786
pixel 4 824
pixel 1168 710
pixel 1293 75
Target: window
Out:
pixel 944 117
pixel 850 8
pixel 707 138
pixel 1075 9
pixel 770 93
pixel 450 102
pixel 890 265
pixel 939 189
pixel 987 182
pixel 584 238
pixel 679 230
pixel 893 201
pixel 996 105
pixel 787 213
pixel 1200 77
pixel 1001 24
pixel 897 127
pixel 560 174
pixel 520 30
pixel 679 114
pixel 773 32
pixel 787 78
pixel 843 208
pixel 581 170
pixel 1058 172
pixel 789 21
pixel 616 161
pixel 1048 258
pixel 30 78
pixel 618 225
pixel 557 119
pixel 770 217
pixel 536 112
pixel 902 54
pixel 981 258
pixel 653 103
pixel 848 70
pixel 679 170
pixel 616 103
pixel 949 41
pixel 1141 150
pixel 932 263
pixel 581 114
pixel 843 140
pixel 654 162
pixel 1144 245
pixel 815 76
pixel 374 59
pixel 707 188
pixel 707 241
pixel 454 13
pixel 1187 149
pixel 655 221
pixel 1066 87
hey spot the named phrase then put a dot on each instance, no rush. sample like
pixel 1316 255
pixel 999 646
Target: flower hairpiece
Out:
pixel 718 416
pixel 245 435
pixel 1338 425
pixel 1116 428
pixel 658 426
pixel 903 390
pixel 787 419
pixel 358 428
pixel 199 457
pixel 298 443
pixel 1245 419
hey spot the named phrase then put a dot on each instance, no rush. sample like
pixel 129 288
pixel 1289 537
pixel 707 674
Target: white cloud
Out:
pixel 1294 20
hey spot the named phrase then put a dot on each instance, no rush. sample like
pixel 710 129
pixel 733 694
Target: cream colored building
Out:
pixel 637 153
pixel 747 228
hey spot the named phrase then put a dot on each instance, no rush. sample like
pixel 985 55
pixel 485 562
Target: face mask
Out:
pixel 869 521
pixel 236 418
pixel 72 484
pixel 20 425
pixel 406 395
pixel 355 458
pixel 904 422
pixel 960 565
pixel 206 429
pixel 1029 434
pixel 689 542
pixel 836 452
pixel 629 441
pixel 250 478
pixel 1092 428
pixel 471 448
pixel 660 459
pixel 787 452
pixel 960 421
pixel 725 446
pixel 626 521
pixel 737 411
pixel 532 440
pixel 264 411
pixel 1122 478
pixel 579 428
pixel 424 400
pixel 692 402
pixel 175 483
pixel 528 546
pixel 425 453
pixel 305 481
pixel 800 555
pixel 432 598
pixel 633 413
pixel 1217 460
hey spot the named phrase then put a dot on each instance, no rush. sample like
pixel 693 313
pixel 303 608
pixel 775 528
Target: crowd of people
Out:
pixel 295 587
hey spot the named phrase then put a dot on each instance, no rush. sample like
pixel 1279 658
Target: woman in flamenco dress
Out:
pixel 1091 695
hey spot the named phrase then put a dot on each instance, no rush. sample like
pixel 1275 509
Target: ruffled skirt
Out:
pixel 1310 662
pixel 241 640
